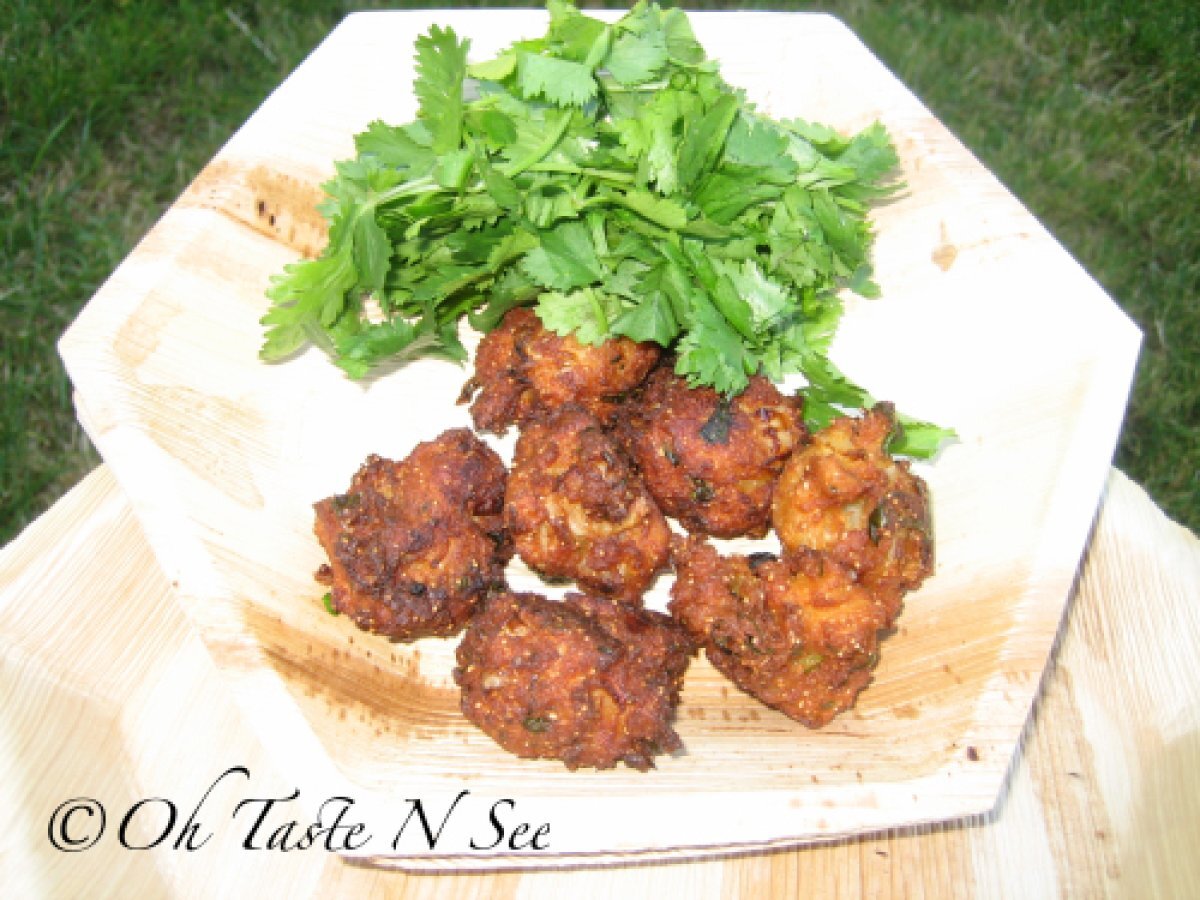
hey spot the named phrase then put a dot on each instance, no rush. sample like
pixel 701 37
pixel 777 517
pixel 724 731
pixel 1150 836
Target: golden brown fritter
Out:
pixel 709 461
pixel 413 546
pixel 844 496
pixel 456 471
pixel 802 640
pixel 589 680
pixel 523 369
pixel 576 508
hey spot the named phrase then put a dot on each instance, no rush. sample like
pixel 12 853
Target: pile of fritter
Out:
pixel 612 445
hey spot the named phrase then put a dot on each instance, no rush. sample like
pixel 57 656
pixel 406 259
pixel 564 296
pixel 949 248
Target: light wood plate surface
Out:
pixel 985 324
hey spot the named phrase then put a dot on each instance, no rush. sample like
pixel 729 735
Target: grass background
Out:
pixel 1086 109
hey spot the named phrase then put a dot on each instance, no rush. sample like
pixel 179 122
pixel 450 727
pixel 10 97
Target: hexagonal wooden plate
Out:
pixel 985 324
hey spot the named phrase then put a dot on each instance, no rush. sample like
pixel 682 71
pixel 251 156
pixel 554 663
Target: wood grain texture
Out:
pixel 221 458
pixel 109 694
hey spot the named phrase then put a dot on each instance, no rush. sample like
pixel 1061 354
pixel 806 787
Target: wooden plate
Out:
pixel 985 324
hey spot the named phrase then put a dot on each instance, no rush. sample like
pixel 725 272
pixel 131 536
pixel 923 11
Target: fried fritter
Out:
pixel 709 461
pixel 589 680
pixel 844 496
pixel 523 369
pixel 801 640
pixel 577 509
pixel 455 471
pixel 413 546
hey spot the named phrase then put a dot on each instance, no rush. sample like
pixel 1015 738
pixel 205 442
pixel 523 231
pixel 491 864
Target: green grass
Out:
pixel 1086 110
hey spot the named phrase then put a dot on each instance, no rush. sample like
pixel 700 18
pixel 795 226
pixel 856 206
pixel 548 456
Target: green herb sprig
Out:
pixel 606 174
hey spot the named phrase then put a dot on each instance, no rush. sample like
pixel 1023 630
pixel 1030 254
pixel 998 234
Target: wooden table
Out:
pixel 108 694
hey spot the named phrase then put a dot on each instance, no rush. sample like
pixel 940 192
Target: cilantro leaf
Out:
pixel 565 259
pixel 496 69
pixel 637 57
pixel 371 254
pixel 871 154
pixel 767 300
pixel 659 210
pixel 399 341
pixel 704 139
pixel 918 439
pixel 308 293
pixel 712 352
pixel 574 34
pixel 586 314
pixel 441 68
pixel 651 320
pixel 560 81
pixel 682 46
pixel 401 148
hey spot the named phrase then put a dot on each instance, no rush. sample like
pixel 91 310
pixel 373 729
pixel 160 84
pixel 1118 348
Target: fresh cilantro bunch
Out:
pixel 607 174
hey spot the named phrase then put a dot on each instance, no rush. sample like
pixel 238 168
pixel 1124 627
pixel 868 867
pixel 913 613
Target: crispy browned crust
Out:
pixel 845 497
pixel 413 546
pixel 710 462
pixel 457 469
pixel 589 681
pixel 803 639
pixel 577 509
pixel 522 369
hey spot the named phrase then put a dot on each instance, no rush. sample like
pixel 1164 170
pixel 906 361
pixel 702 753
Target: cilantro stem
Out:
pixel 601 174
pixel 548 143
pixel 619 199
pixel 405 189
pixel 597 308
